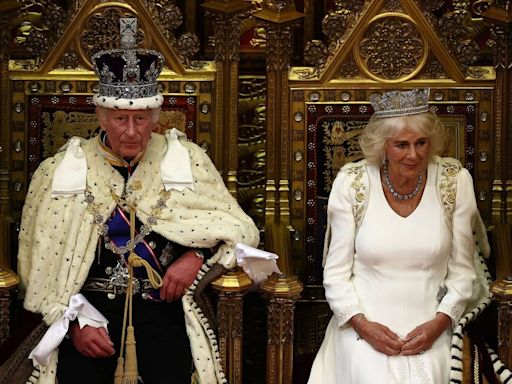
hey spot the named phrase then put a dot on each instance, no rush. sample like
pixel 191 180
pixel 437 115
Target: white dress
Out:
pixel 392 271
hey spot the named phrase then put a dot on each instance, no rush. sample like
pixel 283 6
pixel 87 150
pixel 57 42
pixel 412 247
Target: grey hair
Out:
pixel 379 130
pixel 102 112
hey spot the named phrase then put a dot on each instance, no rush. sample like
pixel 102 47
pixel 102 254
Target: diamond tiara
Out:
pixel 400 103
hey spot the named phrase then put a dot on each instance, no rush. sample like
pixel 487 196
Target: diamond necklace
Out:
pixel 395 194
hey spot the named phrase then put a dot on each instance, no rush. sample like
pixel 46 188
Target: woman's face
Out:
pixel 407 153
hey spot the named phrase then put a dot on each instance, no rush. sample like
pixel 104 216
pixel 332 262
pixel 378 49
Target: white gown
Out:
pixel 391 271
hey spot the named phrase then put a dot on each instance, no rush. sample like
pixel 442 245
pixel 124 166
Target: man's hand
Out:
pixel 90 341
pixel 180 275
pixel 380 337
pixel 423 336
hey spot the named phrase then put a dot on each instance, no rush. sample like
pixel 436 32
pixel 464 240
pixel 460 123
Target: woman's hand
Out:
pixel 423 336
pixel 380 337
pixel 90 341
pixel 180 275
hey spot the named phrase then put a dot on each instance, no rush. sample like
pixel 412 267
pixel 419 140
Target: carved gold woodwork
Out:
pixel 344 27
pixel 5 317
pixel 42 25
pixel 501 15
pixel 502 293
pixel 391 48
pixel 8 283
pixel 279 19
pixel 227 16
pixel 251 174
pixel 281 292
pixel 344 70
pixel 167 15
pixel 231 288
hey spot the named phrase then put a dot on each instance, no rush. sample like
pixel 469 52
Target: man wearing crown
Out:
pixel 117 234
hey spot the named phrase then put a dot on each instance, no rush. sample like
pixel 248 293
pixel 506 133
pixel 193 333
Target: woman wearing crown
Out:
pixel 398 258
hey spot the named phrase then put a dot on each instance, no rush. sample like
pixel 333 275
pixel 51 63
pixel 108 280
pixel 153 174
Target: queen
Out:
pixel 398 263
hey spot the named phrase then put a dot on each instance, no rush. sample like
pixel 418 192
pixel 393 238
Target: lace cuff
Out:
pixel 455 311
pixel 346 314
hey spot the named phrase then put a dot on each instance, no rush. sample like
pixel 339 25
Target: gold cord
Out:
pixel 128 353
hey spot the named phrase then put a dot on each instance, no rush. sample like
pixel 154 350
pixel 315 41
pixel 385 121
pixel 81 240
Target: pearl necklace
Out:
pixel 395 194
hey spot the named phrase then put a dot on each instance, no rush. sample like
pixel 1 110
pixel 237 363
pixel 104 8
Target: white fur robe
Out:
pixel 58 237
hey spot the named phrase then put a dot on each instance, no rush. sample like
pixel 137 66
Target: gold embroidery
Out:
pixel 360 193
pixel 448 189
pixel 136 185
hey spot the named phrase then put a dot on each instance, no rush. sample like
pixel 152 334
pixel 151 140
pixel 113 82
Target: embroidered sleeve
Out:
pixel 461 272
pixel 339 290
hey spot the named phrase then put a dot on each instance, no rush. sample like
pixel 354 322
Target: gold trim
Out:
pixel 287 287
pixel 287 16
pixel 8 279
pixel 233 281
pixel 86 75
pixel 502 290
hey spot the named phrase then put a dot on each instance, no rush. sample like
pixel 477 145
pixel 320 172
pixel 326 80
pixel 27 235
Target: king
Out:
pixel 118 232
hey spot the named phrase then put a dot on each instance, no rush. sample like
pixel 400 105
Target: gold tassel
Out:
pixel 131 374
pixel 127 370
pixel 118 375
pixel 130 367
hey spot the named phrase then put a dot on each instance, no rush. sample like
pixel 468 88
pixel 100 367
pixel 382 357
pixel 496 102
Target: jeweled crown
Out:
pixel 400 103
pixel 128 76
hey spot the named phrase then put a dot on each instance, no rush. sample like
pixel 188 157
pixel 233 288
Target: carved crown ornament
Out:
pixel 50 36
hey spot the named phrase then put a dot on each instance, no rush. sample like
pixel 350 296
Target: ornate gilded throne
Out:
pixel 277 93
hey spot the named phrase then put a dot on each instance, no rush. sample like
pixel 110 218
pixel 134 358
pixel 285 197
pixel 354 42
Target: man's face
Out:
pixel 128 131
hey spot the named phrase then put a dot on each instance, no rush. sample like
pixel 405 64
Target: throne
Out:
pixel 313 116
pixel 50 101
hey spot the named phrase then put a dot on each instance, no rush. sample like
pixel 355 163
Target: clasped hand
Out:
pixel 420 339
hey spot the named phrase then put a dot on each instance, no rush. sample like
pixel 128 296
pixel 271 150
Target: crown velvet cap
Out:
pixel 400 103
pixel 128 76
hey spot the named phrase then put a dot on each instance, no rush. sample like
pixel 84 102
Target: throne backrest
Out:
pixel 333 130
